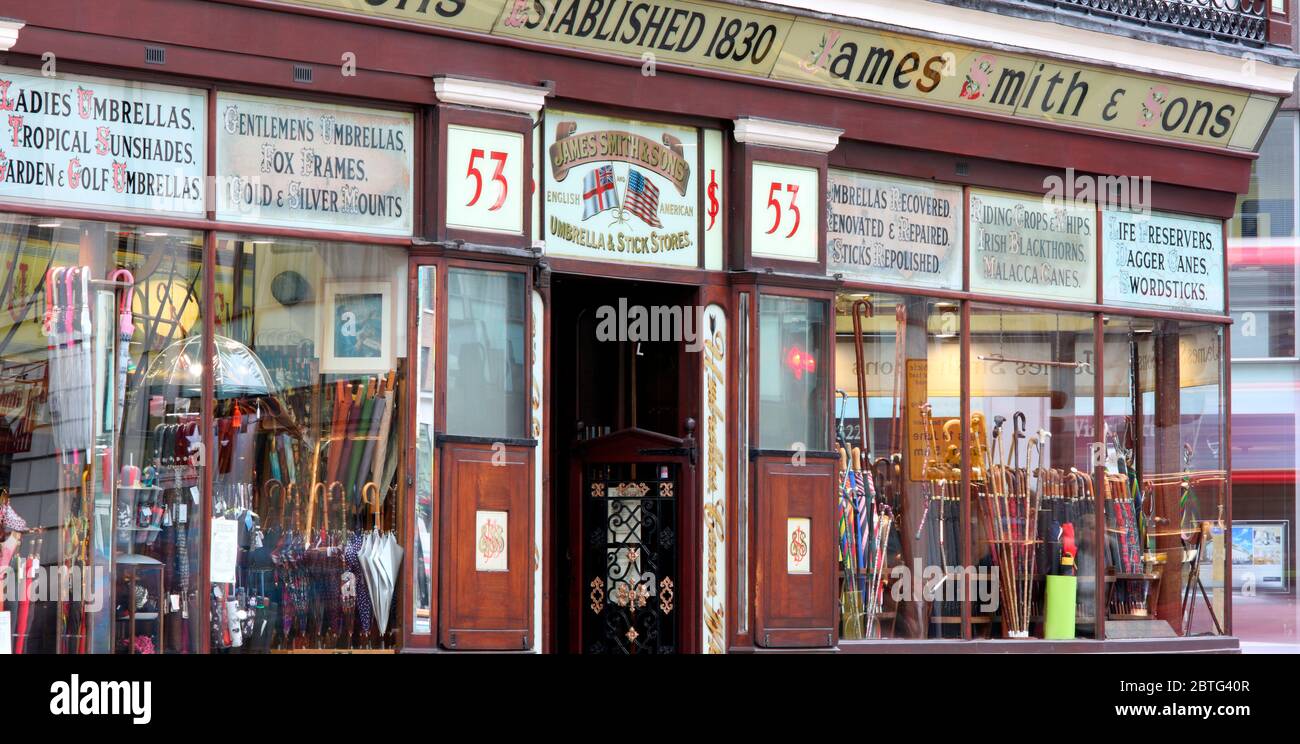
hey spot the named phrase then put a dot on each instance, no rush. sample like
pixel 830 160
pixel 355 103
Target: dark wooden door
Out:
pixel 630 574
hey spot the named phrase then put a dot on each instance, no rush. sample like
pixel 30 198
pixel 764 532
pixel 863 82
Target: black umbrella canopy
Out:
pixel 237 371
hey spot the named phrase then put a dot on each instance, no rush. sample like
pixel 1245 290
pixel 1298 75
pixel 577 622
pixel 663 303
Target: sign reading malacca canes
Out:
pixel 895 230
pixel 783 212
pixel 314 165
pixel 485 179
pixel 102 144
pixel 1162 260
pixel 1031 247
pixel 621 190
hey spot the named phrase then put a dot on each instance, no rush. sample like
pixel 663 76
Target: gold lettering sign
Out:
pixel 782 46
pixel 573 149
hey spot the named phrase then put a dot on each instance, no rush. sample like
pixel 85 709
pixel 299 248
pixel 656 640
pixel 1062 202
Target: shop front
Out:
pixel 506 338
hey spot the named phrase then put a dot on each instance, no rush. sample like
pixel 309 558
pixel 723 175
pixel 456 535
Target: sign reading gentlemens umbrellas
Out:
pixel 90 142
pixel 893 230
pixel 314 165
pixel 1162 261
pixel 621 190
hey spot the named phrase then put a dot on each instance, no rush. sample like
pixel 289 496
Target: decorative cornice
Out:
pixel 787 134
pixel 9 33
pixel 490 94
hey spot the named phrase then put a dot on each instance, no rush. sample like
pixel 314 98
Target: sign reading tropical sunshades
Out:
pixel 314 165
pixel 98 143
pixel 1162 261
pixel 893 230
pixel 621 190
pixel 1027 246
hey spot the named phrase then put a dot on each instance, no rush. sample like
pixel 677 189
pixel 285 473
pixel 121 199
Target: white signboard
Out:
pixel 714 461
pixel 621 190
pixel 783 212
pixel 1024 246
pixel 223 559
pixel 101 144
pixel 490 531
pixel 893 230
pixel 314 165
pixel 485 179
pixel 798 539
pixel 1162 261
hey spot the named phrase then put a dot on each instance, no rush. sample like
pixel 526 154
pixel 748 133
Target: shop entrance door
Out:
pixel 623 462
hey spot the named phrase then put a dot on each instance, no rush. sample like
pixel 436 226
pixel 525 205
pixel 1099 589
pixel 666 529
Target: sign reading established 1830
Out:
pixel 893 230
pixel 739 38
pixel 621 190
pixel 1026 246
pixel 1162 261
pixel 104 144
pixel 314 165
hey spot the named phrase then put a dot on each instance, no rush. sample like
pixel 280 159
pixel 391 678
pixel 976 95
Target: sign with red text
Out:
pixel 314 165
pixel 783 212
pixel 1028 247
pixel 1162 261
pixel 101 144
pixel 485 179
pixel 621 190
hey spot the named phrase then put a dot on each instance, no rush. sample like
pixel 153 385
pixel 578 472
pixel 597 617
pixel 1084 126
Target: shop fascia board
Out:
pixel 9 28
pixel 1010 33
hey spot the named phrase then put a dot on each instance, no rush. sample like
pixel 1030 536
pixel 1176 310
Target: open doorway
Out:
pixel 623 397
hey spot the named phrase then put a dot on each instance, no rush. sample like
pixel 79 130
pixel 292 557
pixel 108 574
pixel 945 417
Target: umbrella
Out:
pixel 380 557
pixel 236 371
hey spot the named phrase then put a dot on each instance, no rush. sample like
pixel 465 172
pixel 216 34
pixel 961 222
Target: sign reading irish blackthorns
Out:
pixel 621 190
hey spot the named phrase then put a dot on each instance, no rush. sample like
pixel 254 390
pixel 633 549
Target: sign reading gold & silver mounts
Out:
pixel 893 230
pixel 810 51
pixel 621 190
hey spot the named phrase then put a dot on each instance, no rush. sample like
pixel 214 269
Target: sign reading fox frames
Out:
pixel 784 46
pixel 621 190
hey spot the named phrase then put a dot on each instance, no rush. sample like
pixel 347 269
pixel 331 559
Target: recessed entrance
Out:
pixel 623 465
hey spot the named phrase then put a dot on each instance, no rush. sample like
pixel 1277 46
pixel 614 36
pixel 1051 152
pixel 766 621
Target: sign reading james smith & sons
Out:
pixel 1027 246
pixel 621 190
pixel 893 230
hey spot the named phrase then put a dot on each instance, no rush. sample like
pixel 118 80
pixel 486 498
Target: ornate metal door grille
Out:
pixel 630 558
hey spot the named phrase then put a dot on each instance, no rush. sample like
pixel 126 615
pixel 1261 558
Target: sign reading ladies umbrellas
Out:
pixel 1162 261
pixel 314 165
pixel 90 142
pixel 621 190
pixel 1030 247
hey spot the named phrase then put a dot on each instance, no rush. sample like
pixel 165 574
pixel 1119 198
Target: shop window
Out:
pixel 425 422
pixel 100 458
pixel 1035 500
pixel 792 376
pixel 898 428
pixel 486 391
pixel 310 384
pixel 1165 484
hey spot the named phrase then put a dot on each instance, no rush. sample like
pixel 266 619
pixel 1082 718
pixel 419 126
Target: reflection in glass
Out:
pixel 98 466
pixel 486 395
pixel 792 378
pixel 898 428
pixel 424 452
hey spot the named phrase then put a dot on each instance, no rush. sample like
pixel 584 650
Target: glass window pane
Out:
pixel 310 387
pixel 99 437
pixel 792 374
pixel 898 426
pixel 486 394
pixel 1032 413
pixel 425 487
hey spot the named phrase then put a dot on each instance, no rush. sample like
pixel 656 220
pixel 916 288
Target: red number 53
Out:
pixel 774 204
pixel 472 172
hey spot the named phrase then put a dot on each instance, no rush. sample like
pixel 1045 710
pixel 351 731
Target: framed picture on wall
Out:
pixel 357 332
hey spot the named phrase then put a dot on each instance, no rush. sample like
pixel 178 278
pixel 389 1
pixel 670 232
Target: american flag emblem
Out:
pixel 598 193
pixel 642 198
